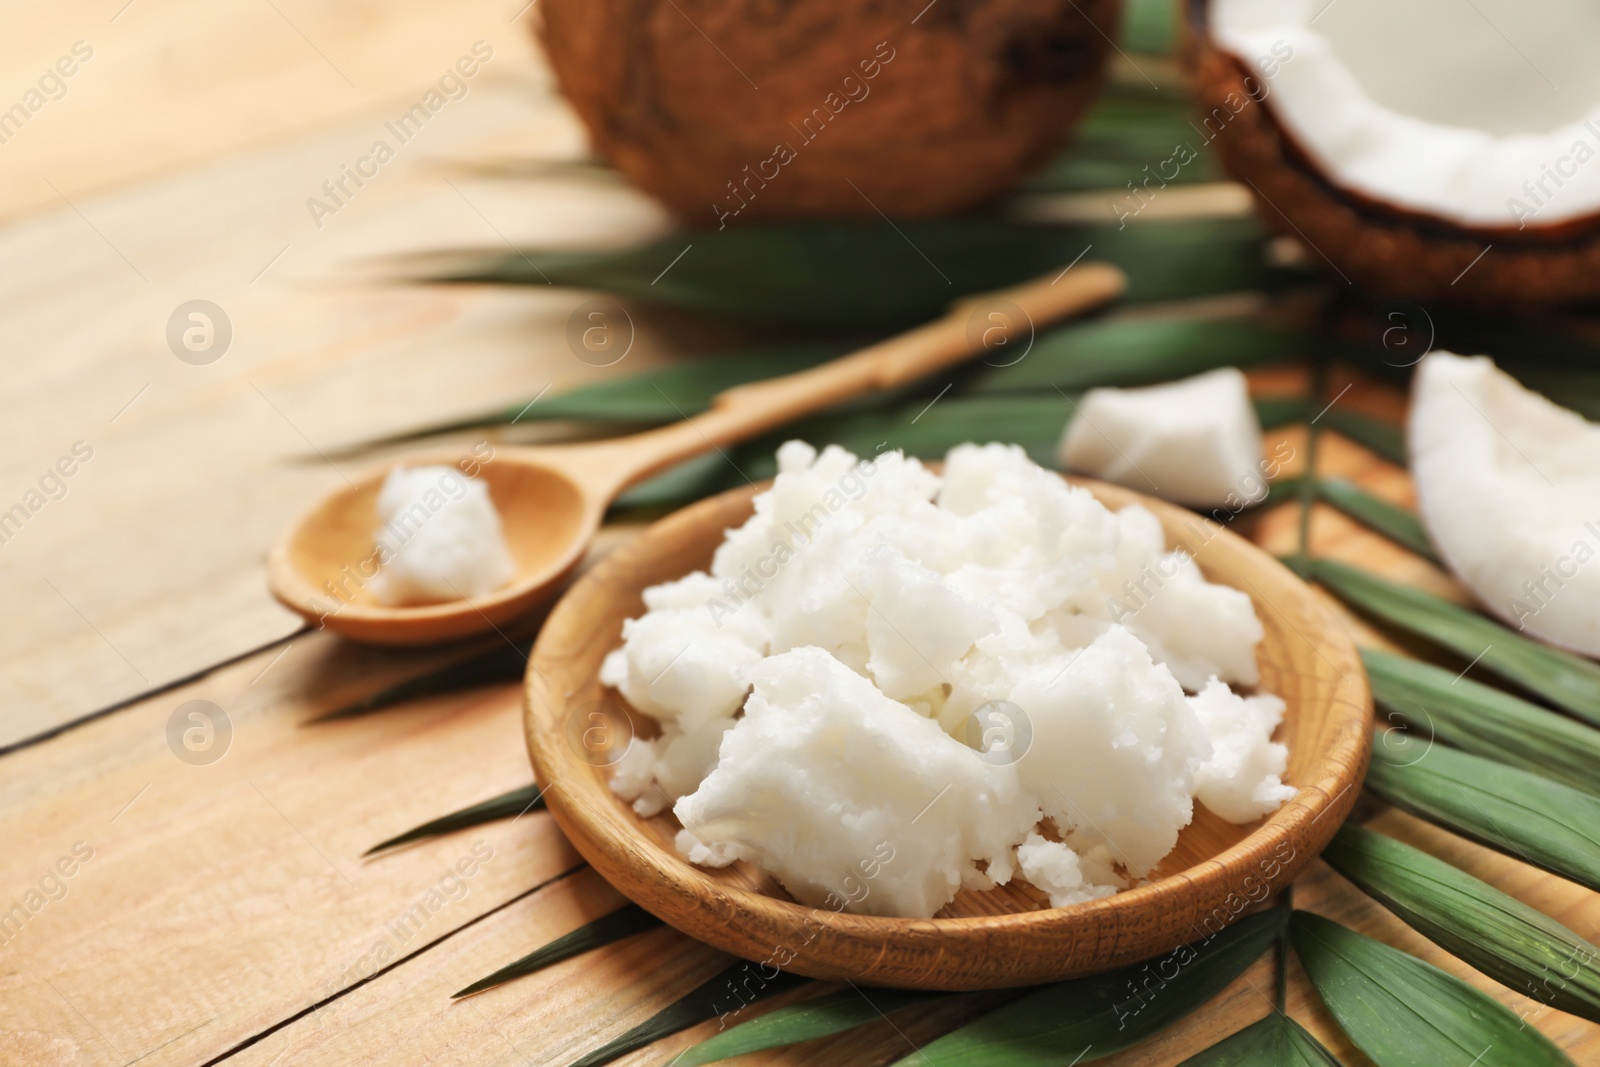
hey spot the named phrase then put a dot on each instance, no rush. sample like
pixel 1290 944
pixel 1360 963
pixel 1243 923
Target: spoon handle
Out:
pixel 984 322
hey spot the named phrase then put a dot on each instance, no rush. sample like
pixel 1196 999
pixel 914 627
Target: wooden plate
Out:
pixel 1007 936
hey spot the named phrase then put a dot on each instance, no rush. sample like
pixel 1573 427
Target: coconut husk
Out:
pixel 732 110
pixel 1388 251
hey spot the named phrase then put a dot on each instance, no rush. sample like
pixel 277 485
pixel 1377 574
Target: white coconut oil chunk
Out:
pixel 439 538
pixel 837 789
pixel 1195 441
pixel 1508 484
pixel 1242 780
pixel 893 685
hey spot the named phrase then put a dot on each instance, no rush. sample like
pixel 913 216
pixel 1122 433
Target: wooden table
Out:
pixel 221 911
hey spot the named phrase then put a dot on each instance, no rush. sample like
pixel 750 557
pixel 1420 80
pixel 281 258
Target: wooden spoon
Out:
pixel 552 498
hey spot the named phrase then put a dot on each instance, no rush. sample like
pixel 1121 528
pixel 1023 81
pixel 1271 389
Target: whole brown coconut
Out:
pixel 728 110
pixel 1385 250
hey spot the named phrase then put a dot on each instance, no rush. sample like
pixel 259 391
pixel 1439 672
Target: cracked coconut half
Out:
pixel 1400 139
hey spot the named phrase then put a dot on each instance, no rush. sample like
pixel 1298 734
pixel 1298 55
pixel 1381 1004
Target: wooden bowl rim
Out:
pixel 609 836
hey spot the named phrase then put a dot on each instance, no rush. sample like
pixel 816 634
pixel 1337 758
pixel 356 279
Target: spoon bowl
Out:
pixel 324 566
pixel 576 729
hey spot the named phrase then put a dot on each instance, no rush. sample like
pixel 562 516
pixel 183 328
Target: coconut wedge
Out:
pixel 1509 488
pixel 1422 148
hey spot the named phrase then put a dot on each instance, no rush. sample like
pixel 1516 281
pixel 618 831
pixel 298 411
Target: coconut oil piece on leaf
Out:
pixel 892 685
pixel 1195 441
pixel 438 538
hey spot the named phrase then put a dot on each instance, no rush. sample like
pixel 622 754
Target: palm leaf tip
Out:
pixel 625 921
pixel 729 993
pixel 1275 1041
pixel 510 805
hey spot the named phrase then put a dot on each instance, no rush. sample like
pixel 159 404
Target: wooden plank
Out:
pixel 557 1015
pixel 161 85
pixel 552 1017
pixel 146 564
pixel 214 901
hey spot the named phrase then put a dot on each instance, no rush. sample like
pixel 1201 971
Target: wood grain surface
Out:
pixel 149 566
pixel 225 913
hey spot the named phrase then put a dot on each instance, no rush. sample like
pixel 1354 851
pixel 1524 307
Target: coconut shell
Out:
pixel 732 110
pixel 1386 250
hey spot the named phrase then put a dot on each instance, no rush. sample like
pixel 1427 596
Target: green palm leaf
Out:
pixel 1403 1012
pixel 1143 351
pixel 1116 351
pixel 665 394
pixel 1384 438
pixel 1150 26
pixel 1569 681
pixel 1394 522
pixel 1131 134
pixel 842 275
pixel 1501 936
pixel 1484 720
pixel 626 921
pixel 510 805
pixel 730 992
pixel 1525 815
pixel 829 1014
pixel 1088 1018
pixel 1276 1041
pixel 923 429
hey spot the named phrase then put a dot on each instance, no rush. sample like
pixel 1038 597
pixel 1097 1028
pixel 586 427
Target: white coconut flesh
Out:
pixel 1196 441
pixel 1483 113
pixel 1509 488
